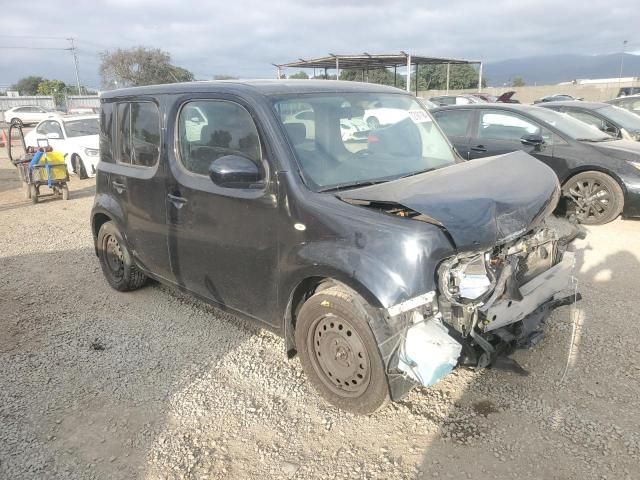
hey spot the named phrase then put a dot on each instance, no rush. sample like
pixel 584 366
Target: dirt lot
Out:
pixel 152 384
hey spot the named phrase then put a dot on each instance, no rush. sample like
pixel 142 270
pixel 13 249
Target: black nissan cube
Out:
pixel 337 215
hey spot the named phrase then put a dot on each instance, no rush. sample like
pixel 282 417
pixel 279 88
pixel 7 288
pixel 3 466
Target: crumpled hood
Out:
pixel 480 203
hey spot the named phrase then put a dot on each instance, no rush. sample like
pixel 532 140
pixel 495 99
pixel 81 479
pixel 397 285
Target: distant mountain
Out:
pixel 553 69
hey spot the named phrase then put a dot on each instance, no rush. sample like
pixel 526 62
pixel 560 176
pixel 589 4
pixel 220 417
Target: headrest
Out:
pixel 297 132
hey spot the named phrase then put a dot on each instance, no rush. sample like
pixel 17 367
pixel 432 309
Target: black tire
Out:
pixel 33 193
pixel 351 351
pixel 593 197
pixel 16 121
pixel 78 167
pixel 65 192
pixel 373 123
pixel 116 262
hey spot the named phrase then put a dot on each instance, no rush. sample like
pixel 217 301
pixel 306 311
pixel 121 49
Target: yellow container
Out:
pixel 56 165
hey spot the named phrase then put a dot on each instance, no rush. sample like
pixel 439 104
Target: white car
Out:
pixel 75 136
pixel 377 117
pixel 28 114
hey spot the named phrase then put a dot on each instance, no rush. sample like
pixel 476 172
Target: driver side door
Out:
pixel 502 131
pixel 222 241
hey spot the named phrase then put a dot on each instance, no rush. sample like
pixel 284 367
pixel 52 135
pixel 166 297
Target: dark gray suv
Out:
pixel 382 258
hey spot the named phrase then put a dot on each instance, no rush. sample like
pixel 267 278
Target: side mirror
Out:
pixel 611 130
pixel 235 171
pixel 532 140
pixel 53 136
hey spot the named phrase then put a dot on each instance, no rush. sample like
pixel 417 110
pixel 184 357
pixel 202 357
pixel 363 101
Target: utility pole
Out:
pixel 624 45
pixel 75 61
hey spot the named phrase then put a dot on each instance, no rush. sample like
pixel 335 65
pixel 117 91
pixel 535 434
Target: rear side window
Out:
pixel 454 123
pixel 138 139
pixel 210 129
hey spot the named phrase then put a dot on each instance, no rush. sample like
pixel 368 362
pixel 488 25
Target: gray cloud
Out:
pixel 243 38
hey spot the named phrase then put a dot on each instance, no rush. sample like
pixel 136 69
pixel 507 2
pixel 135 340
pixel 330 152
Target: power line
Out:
pixel 34 48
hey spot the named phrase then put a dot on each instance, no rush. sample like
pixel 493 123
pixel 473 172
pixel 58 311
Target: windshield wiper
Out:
pixel 417 173
pixel 595 140
pixel 366 183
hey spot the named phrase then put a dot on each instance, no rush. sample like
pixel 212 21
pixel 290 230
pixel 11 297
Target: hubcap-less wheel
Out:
pixel 339 356
pixel 114 256
pixel 591 200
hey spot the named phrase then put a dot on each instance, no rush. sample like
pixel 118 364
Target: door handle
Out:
pixel 478 148
pixel 178 201
pixel 120 187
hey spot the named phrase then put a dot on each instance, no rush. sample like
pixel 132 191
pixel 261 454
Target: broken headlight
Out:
pixel 465 279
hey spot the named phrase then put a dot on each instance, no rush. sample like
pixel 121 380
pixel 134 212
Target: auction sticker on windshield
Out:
pixel 419 116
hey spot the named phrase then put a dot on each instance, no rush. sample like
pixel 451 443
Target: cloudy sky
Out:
pixel 243 38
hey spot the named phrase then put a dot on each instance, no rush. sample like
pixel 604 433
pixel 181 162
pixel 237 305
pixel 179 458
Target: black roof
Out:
pixel 576 103
pixel 518 107
pixel 264 87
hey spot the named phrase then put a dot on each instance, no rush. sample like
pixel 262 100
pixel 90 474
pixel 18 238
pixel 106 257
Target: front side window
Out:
pixel 507 126
pixel 138 139
pixel 344 140
pixel 588 118
pixel 454 122
pixel 221 128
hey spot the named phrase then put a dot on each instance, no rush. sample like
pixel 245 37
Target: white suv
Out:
pixel 28 114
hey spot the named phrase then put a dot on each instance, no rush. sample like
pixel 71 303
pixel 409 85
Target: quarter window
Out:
pixel 220 128
pixel 138 141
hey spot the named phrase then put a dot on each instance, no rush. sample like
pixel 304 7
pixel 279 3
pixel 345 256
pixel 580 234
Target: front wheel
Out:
pixel 65 192
pixel 116 261
pixel 17 122
pixel 78 167
pixel 33 193
pixel 339 353
pixel 594 198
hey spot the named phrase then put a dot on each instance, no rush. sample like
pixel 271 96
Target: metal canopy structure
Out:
pixel 366 62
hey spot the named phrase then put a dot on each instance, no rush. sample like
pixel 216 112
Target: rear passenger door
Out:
pixel 456 125
pixel 138 182
pixel 502 131
pixel 222 241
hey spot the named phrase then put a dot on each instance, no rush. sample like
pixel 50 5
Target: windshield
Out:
pixel 568 125
pixel 80 128
pixel 627 120
pixel 346 140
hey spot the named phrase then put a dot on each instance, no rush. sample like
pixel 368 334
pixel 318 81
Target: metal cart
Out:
pixel 54 175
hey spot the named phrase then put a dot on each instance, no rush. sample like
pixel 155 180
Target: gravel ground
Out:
pixel 153 384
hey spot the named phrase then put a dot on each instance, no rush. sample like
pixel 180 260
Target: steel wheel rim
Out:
pixel 591 199
pixel 339 356
pixel 114 258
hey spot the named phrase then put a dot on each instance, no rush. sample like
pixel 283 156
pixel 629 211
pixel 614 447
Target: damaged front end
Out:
pixel 487 304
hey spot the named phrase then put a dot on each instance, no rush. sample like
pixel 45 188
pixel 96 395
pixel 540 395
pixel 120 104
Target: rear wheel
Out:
pixel 27 190
pixel 115 260
pixel 339 353
pixel 65 192
pixel 594 198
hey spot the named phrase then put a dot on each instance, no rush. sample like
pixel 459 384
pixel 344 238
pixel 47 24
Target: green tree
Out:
pixel 299 75
pixel 517 82
pixel 55 88
pixel 381 76
pixel 140 66
pixel 224 76
pixel 27 85
pixel 434 77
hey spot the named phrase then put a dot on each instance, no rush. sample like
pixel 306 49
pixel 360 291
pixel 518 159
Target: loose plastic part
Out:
pixel 429 352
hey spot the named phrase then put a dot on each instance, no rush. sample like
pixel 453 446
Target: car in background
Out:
pixel 28 114
pixel 350 128
pixel 75 136
pixel 616 121
pixel 428 104
pixel 626 91
pixel 558 97
pixel 600 176
pixel 631 103
pixel 463 99
pixel 506 97
pixel 83 110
